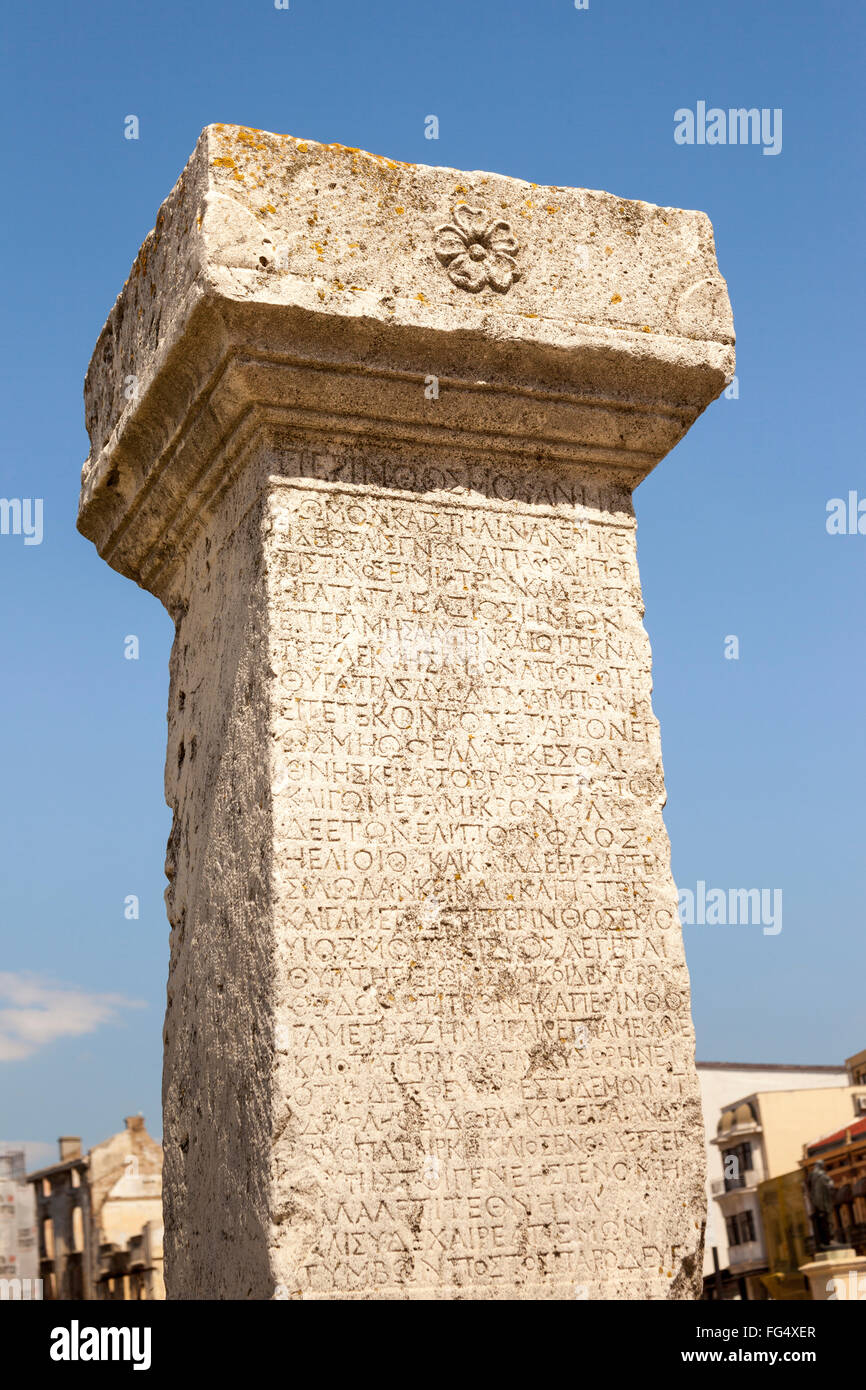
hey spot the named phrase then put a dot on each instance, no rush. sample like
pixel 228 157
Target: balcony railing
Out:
pixel 750 1252
pixel 721 1185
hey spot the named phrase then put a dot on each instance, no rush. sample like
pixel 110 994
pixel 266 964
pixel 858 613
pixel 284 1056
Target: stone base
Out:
pixel 836 1274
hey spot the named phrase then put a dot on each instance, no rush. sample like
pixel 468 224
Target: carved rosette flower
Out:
pixel 478 250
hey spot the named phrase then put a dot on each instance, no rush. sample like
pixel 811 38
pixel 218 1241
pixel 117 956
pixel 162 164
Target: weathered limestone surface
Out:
pixel 428 1029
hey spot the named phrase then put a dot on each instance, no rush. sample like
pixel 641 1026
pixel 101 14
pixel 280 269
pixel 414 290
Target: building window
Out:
pixel 741 1228
pixel 737 1162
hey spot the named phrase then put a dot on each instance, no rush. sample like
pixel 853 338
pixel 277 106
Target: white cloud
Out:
pixel 35 1012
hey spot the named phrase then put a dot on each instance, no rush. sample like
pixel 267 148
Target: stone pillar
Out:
pixel 370 431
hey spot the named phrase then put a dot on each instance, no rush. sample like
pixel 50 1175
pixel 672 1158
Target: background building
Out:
pixel 722 1083
pixel 759 1142
pixel 99 1218
pixel 18 1252
pixel 856 1068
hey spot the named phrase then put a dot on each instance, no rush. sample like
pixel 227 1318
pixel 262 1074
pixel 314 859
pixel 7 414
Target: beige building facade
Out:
pixel 759 1136
pixel 722 1084
pixel 99 1218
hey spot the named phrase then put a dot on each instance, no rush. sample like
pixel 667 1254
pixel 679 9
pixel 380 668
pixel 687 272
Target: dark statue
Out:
pixel 821 1188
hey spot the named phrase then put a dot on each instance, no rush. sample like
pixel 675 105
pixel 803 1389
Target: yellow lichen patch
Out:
pixel 616 299
pixel 225 162
pixel 338 284
pixel 551 209
pixel 302 146
pixel 248 137
pixel 646 328
pixel 422 297
pixel 269 207
pixel 399 209
pixel 357 289
pixel 608 250
pixel 461 189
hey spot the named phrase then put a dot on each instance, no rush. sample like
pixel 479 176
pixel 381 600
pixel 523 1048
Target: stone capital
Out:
pixel 321 290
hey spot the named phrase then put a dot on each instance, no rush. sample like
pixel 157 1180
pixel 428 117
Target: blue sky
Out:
pixel 764 756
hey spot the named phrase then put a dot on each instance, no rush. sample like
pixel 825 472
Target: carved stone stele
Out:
pixel 370 432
